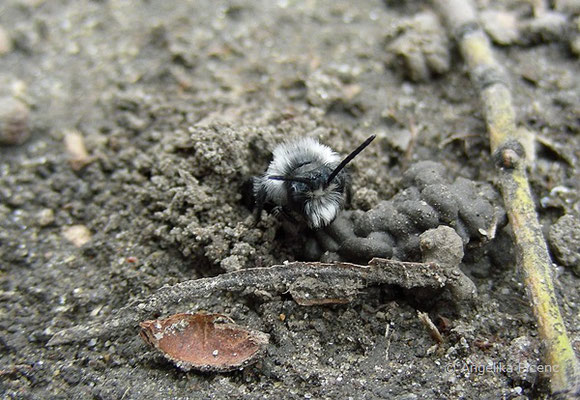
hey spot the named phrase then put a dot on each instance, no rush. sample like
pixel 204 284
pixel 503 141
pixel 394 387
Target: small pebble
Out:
pixel 45 217
pixel 442 246
pixel 75 147
pixel 5 42
pixel 77 234
pixel 501 26
pixel 14 116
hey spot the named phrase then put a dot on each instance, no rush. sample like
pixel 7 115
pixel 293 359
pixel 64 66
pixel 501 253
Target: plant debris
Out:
pixel 329 279
pixel 75 147
pixel 431 328
pixel 206 342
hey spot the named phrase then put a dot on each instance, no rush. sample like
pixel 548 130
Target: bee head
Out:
pixel 318 192
pixel 316 183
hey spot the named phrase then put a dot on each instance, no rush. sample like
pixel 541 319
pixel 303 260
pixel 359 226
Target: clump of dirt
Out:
pixel 393 227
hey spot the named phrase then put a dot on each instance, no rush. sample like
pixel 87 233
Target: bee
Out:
pixel 306 182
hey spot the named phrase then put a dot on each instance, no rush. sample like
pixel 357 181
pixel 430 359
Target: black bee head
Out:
pixel 315 184
pixel 316 191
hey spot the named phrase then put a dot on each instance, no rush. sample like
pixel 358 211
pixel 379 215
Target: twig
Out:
pixel 430 326
pixel 453 138
pixel 278 278
pixel 533 258
pixel 388 340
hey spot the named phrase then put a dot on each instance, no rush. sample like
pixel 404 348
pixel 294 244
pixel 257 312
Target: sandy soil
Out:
pixel 179 103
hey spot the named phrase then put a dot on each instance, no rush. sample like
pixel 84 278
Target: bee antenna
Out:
pixel 290 179
pixel 349 158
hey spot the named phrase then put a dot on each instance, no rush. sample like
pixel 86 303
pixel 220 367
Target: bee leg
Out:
pixel 285 214
pixel 248 191
pixel 290 225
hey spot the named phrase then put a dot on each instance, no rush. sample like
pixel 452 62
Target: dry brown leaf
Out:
pixel 206 342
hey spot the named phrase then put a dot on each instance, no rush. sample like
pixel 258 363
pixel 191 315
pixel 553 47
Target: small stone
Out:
pixel 501 26
pixel 77 234
pixel 522 357
pixel 14 116
pixel 396 138
pixel 365 198
pixel 75 147
pixel 45 217
pixel 5 42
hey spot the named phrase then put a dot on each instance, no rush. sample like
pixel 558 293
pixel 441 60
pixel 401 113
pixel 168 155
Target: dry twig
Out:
pixel 430 326
pixel 346 278
pixel 533 257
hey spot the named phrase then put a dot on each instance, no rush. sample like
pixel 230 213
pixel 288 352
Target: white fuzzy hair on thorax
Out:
pixel 286 157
